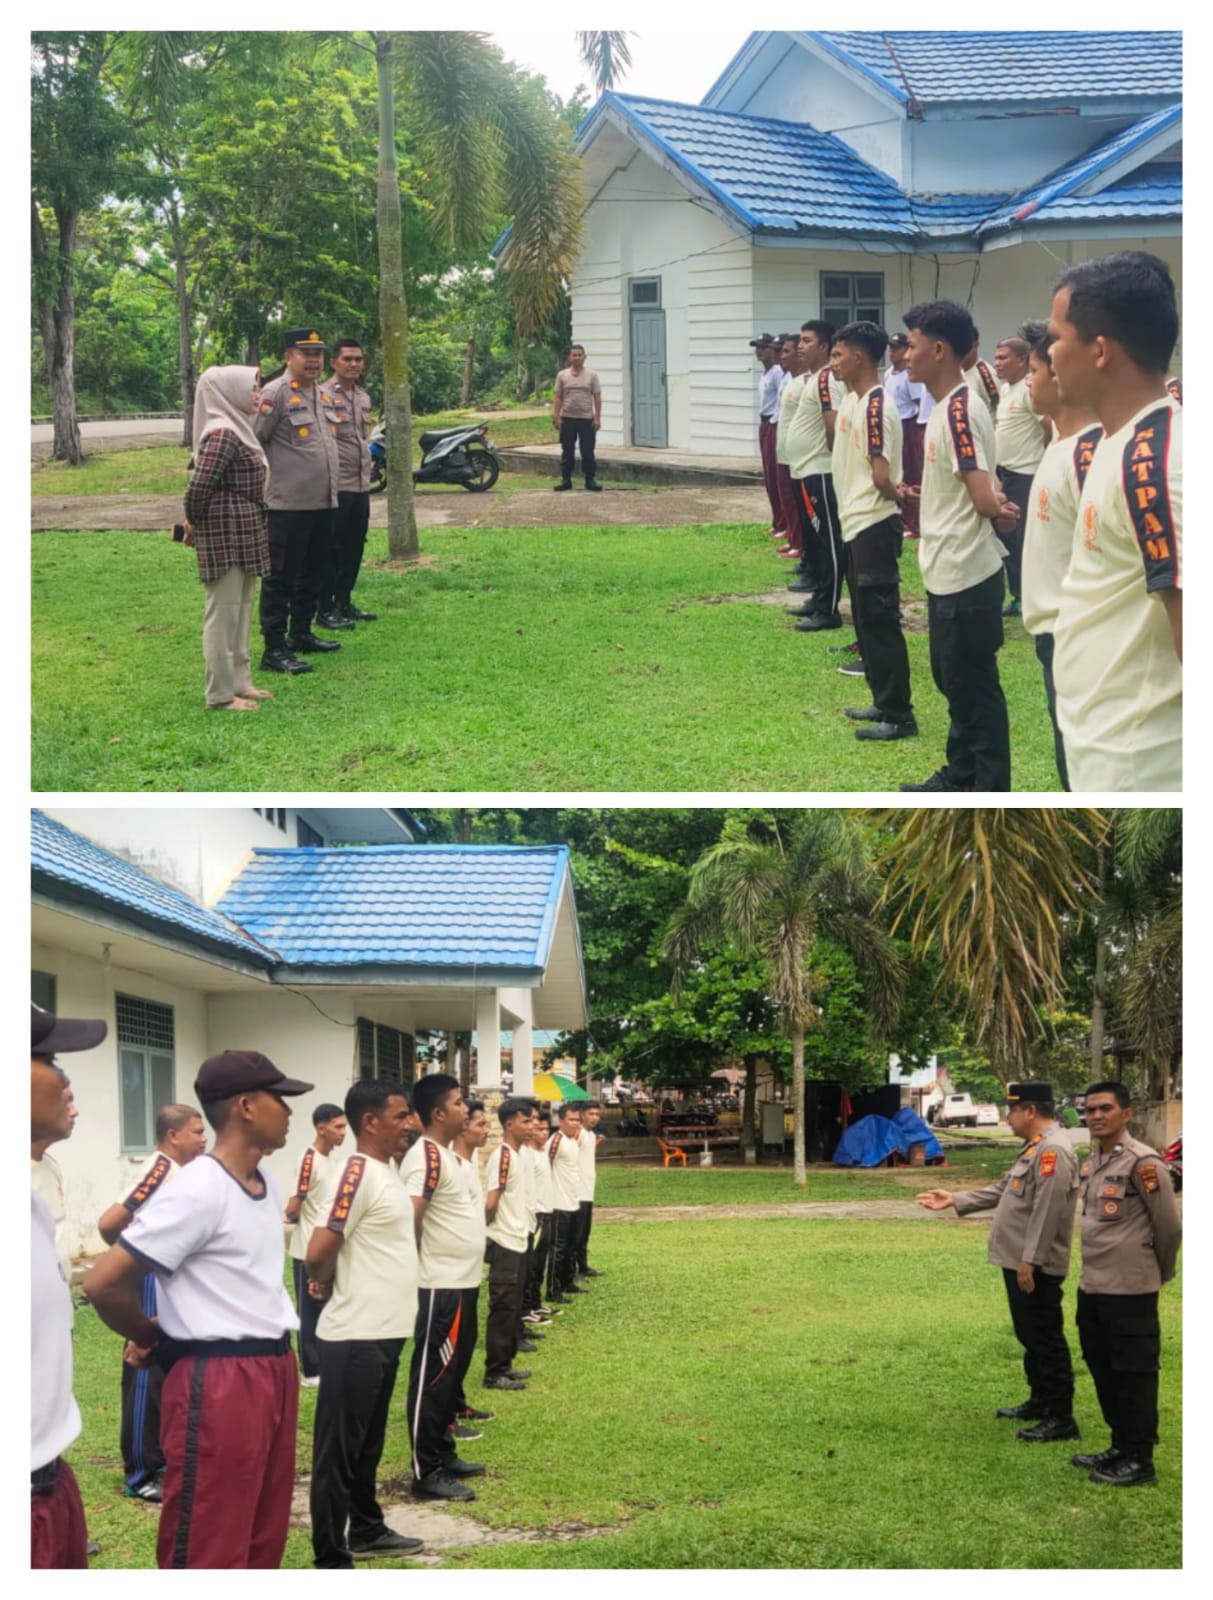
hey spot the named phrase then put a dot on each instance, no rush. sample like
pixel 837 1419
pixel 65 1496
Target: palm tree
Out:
pixel 489 146
pixel 991 891
pixel 772 898
pixel 607 55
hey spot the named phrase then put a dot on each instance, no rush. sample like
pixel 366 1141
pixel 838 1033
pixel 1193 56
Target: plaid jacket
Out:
pixel 225 504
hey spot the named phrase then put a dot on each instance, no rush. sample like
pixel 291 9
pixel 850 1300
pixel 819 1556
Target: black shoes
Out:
pixel 470 1414
pixel 307 644
pixel 504 1383
pixel 576 1288
pixel 281 659
pixel 353 614
pixel 461 1430
pixel 866 714
pixel 1012 609
pixel 559 1299
pixel 888 730
pixel 1048 1430
pixel 799 586
pixel 387 1544
pixel 439 1485
pixel 335 619
pixel 853 667
pixel 518 1374
pixel 526 1347
pixel 939 783
pixel 818 624
pixel 590 1272
pixel 1025 1411
pixel 557 487
pixel 454 1467
pixel 1125 1474
pixel 593 486
pixel 1105 1458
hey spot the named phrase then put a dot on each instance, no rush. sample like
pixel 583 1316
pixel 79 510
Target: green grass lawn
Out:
pixel 781 1393
pixel 163 468
pixel 692 1185
pixel 520 659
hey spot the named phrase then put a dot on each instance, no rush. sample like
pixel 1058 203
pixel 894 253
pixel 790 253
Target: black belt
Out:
pixel 42 1481
pixel 170 1351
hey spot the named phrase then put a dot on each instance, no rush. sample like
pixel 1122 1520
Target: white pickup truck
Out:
pixel 956 1111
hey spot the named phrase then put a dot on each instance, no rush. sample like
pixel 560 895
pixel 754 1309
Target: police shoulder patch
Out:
pixel 266 407
pixel 1148 1173
pixel 339 1215
pixel 433 1168
pixel 961 431
pixel 149 1183
pixel 305 1173
pixel 1047 1164
pixel 1148 495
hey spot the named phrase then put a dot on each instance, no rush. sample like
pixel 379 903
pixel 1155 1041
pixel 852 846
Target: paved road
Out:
pixel 118 435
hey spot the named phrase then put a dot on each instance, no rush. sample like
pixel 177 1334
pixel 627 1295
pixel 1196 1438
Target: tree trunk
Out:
pixel 57 313
pixel 1099 987
pixel 749 1095
pixel 798 1170
pixel 402 541
pixel 186 371
pixel 469 361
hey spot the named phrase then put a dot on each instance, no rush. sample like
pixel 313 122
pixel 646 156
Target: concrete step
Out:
pixel 671 469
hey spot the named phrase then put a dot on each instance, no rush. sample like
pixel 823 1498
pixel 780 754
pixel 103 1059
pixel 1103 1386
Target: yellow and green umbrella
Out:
pixel 549 1086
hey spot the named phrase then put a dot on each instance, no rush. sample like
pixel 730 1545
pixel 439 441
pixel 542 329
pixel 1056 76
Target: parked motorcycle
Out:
pixel 1173 1155
pixel 448 455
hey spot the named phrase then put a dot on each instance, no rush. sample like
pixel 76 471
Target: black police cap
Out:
pixel 303 339
pixel 1029 1093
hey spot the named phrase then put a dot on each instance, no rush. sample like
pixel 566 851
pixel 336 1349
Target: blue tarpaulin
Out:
pixel 871 1140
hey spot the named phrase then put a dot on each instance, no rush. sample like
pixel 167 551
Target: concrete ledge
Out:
pixel 672 469
pixel 116 416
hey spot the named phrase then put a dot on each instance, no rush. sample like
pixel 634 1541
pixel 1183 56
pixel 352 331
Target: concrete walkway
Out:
pixel 642 466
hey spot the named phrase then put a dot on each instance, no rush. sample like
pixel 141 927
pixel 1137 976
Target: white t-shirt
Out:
pixel 54 1414
pixel 957 548
pixel 216 1251
pixel 375 1288
pixel 587 1154
pixel 768 391
pixel 1119 681
pixel 1020 440
pixel 789 400
pixel 452 1228
pixel 545 1191
pixel 565 1164
pixel 1048 535
pixel 901 392
pixel 808 445
pixel 980 378
pixel 316 1172
pixel 470 1168
pixel 46 1179
pixel 511 1220
pixel 868 426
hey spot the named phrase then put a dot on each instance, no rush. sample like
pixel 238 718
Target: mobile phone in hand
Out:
pixel 178 532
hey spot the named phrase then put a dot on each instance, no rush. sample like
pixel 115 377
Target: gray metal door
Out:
pixel 648 378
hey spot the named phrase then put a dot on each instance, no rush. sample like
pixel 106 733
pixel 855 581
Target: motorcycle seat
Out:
pixel 429 440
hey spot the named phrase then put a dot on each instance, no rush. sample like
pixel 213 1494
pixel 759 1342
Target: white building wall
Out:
pixel 94 1167
pixel 723 372
pixel 198 850
pixel 643 223
pixel 982 155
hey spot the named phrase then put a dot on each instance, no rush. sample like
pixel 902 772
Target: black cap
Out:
pixel 242 1072
pixel 50 1035
pixel 764 341
pixel 899 339
pixel 1029 1093
pixel 303 339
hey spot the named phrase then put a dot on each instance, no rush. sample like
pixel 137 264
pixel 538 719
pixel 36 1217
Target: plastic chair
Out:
pixel 671 1152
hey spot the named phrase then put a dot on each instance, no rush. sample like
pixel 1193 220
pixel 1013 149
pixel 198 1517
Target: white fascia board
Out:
pixel 1109 228
pixel 658 156
pixel 1132 159
pixel 874 247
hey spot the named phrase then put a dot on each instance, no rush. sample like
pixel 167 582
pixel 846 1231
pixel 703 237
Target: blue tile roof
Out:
pixel 785 177
pixel 989 67
pixel 1151 192
pixel 91 874
pixel 444 906
pixel 1033 202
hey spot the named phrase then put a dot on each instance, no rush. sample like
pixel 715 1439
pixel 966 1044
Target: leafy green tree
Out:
pixel 774 892
pixel 76 138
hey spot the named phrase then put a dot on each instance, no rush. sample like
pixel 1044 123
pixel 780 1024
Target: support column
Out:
pixel 524 1074
pixel 488 1040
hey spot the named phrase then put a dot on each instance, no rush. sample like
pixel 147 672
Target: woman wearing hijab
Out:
pixel 226 524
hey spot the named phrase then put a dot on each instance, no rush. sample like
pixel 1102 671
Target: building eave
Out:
pixel 101 913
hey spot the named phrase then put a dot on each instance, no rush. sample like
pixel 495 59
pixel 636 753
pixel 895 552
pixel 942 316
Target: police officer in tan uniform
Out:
pixel 352 418
pixel 1030 1240
pixel 1130 1242
pixel 295 425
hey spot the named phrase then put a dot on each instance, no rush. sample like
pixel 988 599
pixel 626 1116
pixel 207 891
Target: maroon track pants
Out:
pixel 787 500
pixel 766 449
pixel 57 1536
pixel 912 434
pixel 227 1428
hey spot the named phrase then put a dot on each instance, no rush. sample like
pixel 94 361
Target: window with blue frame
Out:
pixel 146 1072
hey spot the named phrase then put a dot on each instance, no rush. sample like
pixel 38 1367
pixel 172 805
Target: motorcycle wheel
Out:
pixel 379 477
pixel 486 469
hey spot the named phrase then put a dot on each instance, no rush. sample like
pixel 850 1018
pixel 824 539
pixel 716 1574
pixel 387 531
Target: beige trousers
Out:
pixel 225 631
